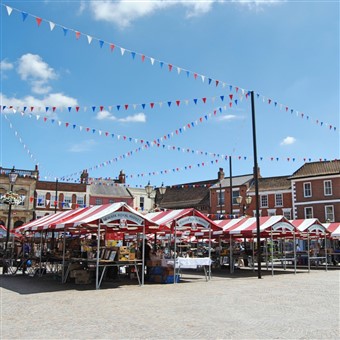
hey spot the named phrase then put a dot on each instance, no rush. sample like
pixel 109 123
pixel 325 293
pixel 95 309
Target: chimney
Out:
pixel 258 172
pixel 121 178
pixel 220 174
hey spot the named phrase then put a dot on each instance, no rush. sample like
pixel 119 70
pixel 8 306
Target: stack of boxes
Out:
pixel 159 274
pixel 81 276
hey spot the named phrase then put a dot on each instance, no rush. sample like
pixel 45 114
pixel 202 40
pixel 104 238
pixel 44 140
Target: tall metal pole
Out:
pixel 231 186
pixel 256 188
pixel 56 196
pixel 220 198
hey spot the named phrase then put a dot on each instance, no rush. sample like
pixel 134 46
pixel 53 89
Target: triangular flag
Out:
pixel 9 10
pixel 38 20
pixel 112 47
pixel 122 50
pixel 89 39
pixel 24 16
pixel 101 43
pixel 52 25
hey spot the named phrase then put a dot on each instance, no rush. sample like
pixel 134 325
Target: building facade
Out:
pixel 24 186
pixel 316 191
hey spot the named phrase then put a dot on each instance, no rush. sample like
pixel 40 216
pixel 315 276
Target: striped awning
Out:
pixel 116 216
pixel 333 228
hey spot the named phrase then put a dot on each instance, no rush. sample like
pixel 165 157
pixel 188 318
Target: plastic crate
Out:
pixel 170 279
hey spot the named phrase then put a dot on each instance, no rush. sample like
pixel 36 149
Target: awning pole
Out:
pixel 97 257
pixel 64 246
pixel 231 260
pixel 272 249
pixel 175 249
pixel 143 254
pixel 210 251
pixel 308 252
pixel 294 245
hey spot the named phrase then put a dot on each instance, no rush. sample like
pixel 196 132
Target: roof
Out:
pixel 273 183
pixel 109 189
pixel 188 195
pixel 317 169
pixel 236 181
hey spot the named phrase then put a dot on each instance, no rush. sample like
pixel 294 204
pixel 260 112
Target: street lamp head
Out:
pixel 12 176
pixel 248 200
pixel 162 189
pixel 239 199
pixel 148 189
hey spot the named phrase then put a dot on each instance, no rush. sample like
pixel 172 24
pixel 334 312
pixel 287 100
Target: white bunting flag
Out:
pixel 89 39
pixel 52 25
pixel 9 10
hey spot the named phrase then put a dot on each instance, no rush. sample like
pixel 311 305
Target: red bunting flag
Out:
pixel 126 106
pixel 170 67
pixel 143 57
pixel 204 100
pixel 178 102
pixel 77 108
pixel 101 108
pixel 77 35
pixel 112 47
pixel 152 105
pixel 39 20
pixel 67 124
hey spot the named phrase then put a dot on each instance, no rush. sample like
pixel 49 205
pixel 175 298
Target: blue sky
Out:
pixel 183 70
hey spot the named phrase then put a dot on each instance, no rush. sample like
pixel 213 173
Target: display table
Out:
pixel 190 263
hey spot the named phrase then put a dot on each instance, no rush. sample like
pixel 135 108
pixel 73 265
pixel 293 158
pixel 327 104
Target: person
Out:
pixel 298 247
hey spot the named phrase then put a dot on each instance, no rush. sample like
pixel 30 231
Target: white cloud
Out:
pixel 257 5
pixel 229 117
pixel 137 118
pixel 124 12
pixel 5 65
pixel 83 147
pixel 32 68
pixel 288 141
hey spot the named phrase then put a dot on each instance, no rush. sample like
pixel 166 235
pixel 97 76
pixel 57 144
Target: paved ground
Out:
pixel 237 306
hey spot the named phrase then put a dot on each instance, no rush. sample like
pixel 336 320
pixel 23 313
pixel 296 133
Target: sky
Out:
pixel 162 89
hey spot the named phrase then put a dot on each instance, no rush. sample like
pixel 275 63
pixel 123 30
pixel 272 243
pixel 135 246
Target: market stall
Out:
pixel 312 230
pixel 185 223
pixel 271 227
pixel 97 220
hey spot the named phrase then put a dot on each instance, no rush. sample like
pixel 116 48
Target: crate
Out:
pixel 170 279
pixel 155 270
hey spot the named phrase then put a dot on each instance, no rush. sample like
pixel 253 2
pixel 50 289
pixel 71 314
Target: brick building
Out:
pixel 275 197
pixel 316 191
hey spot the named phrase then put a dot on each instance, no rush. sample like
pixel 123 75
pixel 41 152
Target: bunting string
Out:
pixel 163 65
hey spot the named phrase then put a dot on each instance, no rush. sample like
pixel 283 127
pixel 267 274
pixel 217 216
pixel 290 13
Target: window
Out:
pixel 220 197
pixel 278 200
pixel 111 201
pixel 264 201
pixel 41 200
pixel 307 189
pixel 141 203
pixel 271 212
pixel 327 188
pixel 287 213
pixel 53 201
pixel 99 201
pixel 329 213
pixel 236 193
pixel 80 201
pixel 67 202
pixel 308 212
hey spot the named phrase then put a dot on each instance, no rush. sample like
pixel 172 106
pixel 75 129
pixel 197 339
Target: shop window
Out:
pixel 99 201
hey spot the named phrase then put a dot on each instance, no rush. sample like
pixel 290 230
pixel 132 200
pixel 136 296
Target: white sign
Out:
pixel 193 219
pixel 121 215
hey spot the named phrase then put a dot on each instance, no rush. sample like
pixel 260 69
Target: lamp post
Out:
pixel 220 201
pixel 247 200
pixel 12 179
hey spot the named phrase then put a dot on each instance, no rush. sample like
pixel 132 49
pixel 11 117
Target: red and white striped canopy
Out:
pixel 333 228
pixel 189 220
pixel 12 233
pixel 310 226
pixel 247 226
pixel 117 216
pixel 44 223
